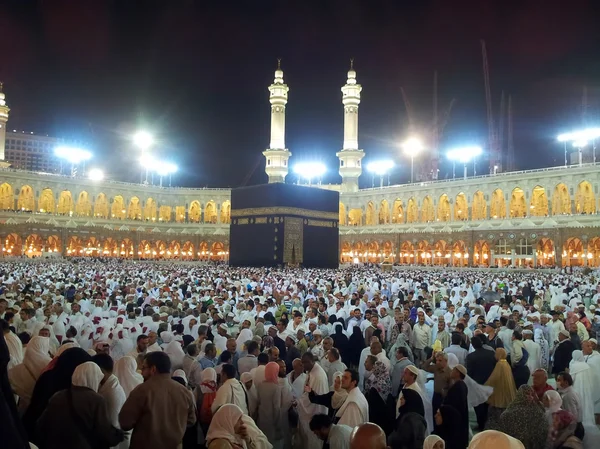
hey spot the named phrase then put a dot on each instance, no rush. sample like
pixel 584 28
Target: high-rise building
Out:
pixel 28 151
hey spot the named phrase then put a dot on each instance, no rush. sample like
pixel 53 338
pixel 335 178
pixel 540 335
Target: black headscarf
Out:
pixel 50 382
pixel 340 341
pixel 454 431
pixel 13 433
pixel 412 403
pixel 357 344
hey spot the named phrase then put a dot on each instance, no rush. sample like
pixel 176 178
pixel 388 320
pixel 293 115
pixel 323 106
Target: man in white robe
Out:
pixel 355 409
pixel 592 358
pixel 317 382
pixel 112 392
pixel 231 391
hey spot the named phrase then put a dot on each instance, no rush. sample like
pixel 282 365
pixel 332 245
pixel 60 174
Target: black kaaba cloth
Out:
pixel 284 224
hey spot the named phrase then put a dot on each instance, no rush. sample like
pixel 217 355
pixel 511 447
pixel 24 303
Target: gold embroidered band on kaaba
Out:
pixel 238 213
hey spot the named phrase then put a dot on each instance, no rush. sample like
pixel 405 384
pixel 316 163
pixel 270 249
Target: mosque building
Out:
pixel 536 218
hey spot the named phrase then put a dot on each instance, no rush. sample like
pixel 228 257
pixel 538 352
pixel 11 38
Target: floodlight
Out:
pixel 309 170
pixel 380 168
pixel 143 140
pixel 464 155
pixel 95 174
pixel 74 155
pixel 412 147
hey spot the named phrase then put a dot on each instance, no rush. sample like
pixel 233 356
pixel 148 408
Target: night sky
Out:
pixel 196 74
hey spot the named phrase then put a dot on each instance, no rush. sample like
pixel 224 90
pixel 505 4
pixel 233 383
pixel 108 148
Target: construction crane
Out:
pixel 495 153
pixel 430 134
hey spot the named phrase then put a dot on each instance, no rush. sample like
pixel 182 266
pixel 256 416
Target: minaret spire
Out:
pixel 351 155
pixel 277 155
pixel 4 110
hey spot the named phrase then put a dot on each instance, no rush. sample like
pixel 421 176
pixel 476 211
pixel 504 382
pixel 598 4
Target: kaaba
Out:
pixel 282 224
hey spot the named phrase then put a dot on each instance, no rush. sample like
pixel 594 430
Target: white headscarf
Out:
pixel 181 374
pixel 245 335
pixel 554 400
pixel 87 375
pixel 431 441
pixel 36 356
pixel 223 423
pixel 208 375
pixel 125 370
pixel 492 438
pixel 175 353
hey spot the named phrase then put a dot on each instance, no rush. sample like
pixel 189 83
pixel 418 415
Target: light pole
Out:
pixel 73 155
pixel 144 141
pixel 580 140
pixel 464 155
pixel 412 147
pixel 310 170
pixel 164 169
pixel 380 168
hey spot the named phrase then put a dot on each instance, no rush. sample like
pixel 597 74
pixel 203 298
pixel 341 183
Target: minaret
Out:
pixel 351 155
pixel 277 154
pixel 4 110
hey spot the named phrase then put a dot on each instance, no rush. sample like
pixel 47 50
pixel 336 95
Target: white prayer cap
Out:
pixel 224 327
pixel 317 332
pixel 413 369
pixel 565 333
pixel 593 340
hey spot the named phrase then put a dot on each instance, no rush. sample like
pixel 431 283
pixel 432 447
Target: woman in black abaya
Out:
pixel 13 434
pixel 56 379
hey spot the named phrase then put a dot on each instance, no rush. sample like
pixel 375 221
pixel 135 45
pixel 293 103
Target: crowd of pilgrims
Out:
pixel 99 354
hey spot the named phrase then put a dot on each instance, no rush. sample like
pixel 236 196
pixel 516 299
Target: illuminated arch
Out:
pixel 460 254
pixel 13 245
pixel 370 214
pixel 518 208
pixel 444 208
pixel 342 217
pixel 346 255
pixel 384 212
pixel 149 213
pixel 65 203
pixel 374 255
pixel 174 250
pixel 160 249
pixel 424 255
pixel 226 211
pixel 101 206
pixel 440 253
pixel 53 243
pixel 561 200
pixel 127 249
pixel 412 211
pixel 146 250
pixel 84 206
pixel 134 209
pixel 479 208
pixel 407 252
pixel 7 197
pixel 34 244
pixel 210 212
pixel 93 247
pixel 594 252
pixel 498 205
pixel 585 200
pixel 164 214
pixel 355 217
pixel 539 202
pixel 75 246
pixel 398 212
pixel 203 251
pixel 573 253
pixel 46 201
pixel 117 209
pixel 482 253
pixel 110 248
pixel 26 200
pixel 427 212
pixel 388 250
pixel 461 207
pixel 218 251
pixel 179 214
pixel 545 252
pixel 195 212
pixel 187 251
